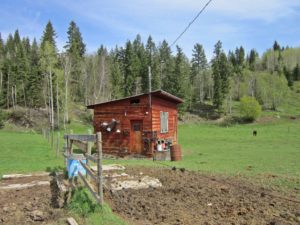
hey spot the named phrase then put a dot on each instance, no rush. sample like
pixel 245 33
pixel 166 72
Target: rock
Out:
pixel 263 194
pixel 6 209
pixel 37 215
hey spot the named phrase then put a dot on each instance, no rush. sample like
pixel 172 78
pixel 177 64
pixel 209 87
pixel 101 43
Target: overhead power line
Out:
pixel 188 26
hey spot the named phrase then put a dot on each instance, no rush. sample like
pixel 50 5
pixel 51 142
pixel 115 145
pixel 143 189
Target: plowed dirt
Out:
pixel 191 198
pixel 29 205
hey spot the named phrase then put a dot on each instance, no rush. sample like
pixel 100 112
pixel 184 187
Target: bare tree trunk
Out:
pixel 7 95
pixel 57 104
pixel 15 95
pixel 51 99
pixel 1 81
pixel 230 104
pixel 12 97
pixel 66 78
pixel 24 94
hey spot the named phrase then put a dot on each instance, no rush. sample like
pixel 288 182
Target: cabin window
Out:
pixel 137 127
pixel 164 122
pixel 135 101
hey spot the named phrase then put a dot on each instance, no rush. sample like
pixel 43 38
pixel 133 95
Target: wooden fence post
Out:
pixel 89 151
pixel 99 168
pixel 66 148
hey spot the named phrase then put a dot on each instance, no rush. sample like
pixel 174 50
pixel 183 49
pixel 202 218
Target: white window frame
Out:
pixel 164 122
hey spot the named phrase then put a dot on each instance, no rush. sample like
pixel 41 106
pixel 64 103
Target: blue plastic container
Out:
pixel 74 166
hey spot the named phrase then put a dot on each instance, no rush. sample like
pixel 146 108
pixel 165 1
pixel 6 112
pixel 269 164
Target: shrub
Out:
pixel 250 109
pixel 82 203
pixel 3 118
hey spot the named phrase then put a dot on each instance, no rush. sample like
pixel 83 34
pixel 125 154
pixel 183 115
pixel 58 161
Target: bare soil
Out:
pixel 29 205
pixel 192 198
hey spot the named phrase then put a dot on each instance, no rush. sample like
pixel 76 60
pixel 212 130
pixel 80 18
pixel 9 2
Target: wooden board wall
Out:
pixel 125 112
pixel 162 105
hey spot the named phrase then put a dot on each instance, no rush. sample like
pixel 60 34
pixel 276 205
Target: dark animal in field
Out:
pixel 254 132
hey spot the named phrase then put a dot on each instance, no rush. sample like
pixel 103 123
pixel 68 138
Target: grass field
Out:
pixel 274 153
pixel 26 152
pixel 271 158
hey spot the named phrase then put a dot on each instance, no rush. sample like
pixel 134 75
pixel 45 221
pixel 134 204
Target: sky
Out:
pixel 250 23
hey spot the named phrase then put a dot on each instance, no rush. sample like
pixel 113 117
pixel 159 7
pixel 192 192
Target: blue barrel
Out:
pixel 74 166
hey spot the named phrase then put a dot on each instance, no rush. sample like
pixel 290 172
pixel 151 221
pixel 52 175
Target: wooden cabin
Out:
pixel 138 124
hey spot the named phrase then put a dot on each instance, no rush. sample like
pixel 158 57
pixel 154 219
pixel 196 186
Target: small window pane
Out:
pixel 136 127
pixel 164 116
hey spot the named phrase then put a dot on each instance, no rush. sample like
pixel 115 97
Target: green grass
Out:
pixel 87 211
pixel 26 152
pixel 272 157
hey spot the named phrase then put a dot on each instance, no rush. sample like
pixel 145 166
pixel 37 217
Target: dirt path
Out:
pixel 190 198
pixel 30 205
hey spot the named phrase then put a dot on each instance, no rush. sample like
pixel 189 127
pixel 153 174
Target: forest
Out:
pixel 35 74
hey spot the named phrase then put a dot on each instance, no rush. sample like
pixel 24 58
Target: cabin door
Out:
pixel 136 136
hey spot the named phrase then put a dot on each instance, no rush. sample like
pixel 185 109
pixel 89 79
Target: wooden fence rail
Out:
pixel 84 142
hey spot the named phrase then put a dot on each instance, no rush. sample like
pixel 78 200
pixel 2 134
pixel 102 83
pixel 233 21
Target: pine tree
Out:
pixel 48 65
pixel 152 60
pixel 166 64
pixel 1 66
pixel 296 73
pixel 221 74
pixel 116 78
pixel 197 77
pixel 178 81
pixel 276 46
pixel 129 75
pixel 252 59
pixel 34 86
pixel 49 36
pixel 76 50
pixel 288 75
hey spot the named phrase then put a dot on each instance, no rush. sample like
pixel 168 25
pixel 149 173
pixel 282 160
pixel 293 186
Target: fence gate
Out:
pixel 85 143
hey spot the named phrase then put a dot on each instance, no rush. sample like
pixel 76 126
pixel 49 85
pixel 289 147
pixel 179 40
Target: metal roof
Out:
pixel 158 93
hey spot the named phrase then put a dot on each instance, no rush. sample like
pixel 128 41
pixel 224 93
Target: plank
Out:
pixel 84 137
pixel 26 185
pixel 82 145
pixel 89 187
pixel 88 170
pixel 17 175
pixel 91 158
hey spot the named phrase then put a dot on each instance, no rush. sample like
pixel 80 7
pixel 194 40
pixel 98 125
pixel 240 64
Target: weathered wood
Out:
pixel 88 171
pixel 77 137
pixel 82 145
pixel 26 185
pixel 99 168
pixel 72 221
pixel 66 155
pixel 91 158
pixel 89 187
pixel 18 175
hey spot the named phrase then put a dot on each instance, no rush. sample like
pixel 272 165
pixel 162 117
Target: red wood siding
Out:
pixel 161 105
pixel 125 113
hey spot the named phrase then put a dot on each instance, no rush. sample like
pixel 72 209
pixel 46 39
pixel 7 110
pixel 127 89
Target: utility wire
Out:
pixel 188 26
